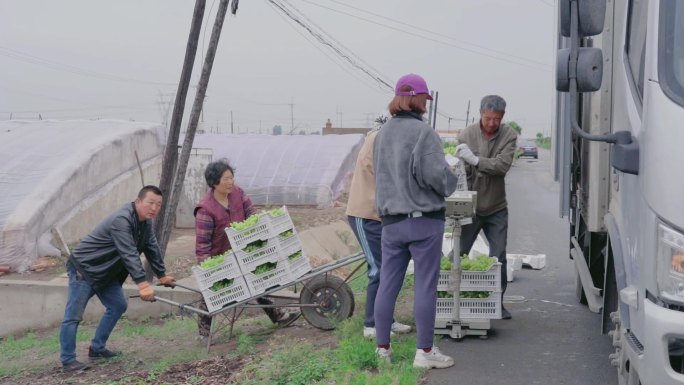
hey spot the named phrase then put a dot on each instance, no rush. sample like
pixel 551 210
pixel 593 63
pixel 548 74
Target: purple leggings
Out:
pixel 420 239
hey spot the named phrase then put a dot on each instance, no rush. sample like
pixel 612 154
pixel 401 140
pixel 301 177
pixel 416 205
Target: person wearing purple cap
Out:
pixel 412 180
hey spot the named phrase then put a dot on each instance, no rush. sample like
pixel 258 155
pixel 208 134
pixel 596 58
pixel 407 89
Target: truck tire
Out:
pixel 333 298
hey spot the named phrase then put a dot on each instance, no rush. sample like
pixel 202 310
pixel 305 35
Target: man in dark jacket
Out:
pixel 100 264
pixel 487 148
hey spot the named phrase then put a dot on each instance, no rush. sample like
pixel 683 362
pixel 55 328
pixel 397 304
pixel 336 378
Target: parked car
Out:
pixel 527 148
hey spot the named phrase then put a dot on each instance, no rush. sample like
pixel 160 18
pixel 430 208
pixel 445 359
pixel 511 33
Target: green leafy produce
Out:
pixel 445 294
pixel 286 234
pixel 444 264
pixel 481 263
pixel 253 246
pixel 222 284
pixel 265 267
pixel 294 256
pixel 212 262
pixel 475 294
pixel 247 223
pixel 450 148
pixel 276 212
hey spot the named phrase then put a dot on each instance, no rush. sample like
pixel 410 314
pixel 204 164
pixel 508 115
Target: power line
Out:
pixel 412 32
pixel 28 58
pixel 324 41
pixel 318 48
pixel 346 56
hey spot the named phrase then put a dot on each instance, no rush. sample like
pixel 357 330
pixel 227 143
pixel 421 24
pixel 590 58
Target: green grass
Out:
pixel 15 350
pixel 352 360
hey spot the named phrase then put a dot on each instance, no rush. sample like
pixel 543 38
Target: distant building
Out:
pixel 330 130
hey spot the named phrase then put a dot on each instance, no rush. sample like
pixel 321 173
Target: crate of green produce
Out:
pixel 225 292
pixel 472 305
pixel 480 305
pixel 289 242
pixel 280 220
pixel 299 264
pixel 216 268
pixel 268 275
pixel 256 253
pixel 256 227
pixel 482 273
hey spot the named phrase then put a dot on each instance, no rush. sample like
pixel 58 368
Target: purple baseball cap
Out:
pixel 416 82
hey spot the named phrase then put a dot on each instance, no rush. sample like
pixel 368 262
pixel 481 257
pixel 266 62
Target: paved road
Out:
pixel 552 339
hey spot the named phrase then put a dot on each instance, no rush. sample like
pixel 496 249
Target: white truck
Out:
pixel 619 156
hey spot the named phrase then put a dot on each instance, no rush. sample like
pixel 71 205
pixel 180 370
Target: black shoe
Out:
pixel 74 366
pixel 505 314
pixel 103 354
pixel 288 319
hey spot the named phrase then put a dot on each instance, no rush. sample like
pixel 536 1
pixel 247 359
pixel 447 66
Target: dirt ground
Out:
pixel 215 368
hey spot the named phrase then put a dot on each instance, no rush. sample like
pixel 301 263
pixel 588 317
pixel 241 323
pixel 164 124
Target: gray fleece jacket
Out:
pixel 411 173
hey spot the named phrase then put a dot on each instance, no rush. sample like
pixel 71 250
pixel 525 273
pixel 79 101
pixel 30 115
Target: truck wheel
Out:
pixel 333 298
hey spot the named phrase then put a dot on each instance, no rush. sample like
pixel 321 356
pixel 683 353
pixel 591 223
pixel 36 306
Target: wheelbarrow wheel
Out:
pixel 334 300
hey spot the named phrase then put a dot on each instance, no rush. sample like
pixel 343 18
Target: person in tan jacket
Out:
pixel 367 228
pixel 487 148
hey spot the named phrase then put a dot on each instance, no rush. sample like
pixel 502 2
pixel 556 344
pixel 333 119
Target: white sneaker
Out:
pixel 400 328
pixel 369 332
pixel 434 359
pixel 384 354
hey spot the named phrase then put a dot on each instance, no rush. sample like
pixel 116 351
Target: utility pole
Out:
pixel 192 123
pixel 468 113
pixel 430 109
pixel 231 122
pixel 170 159
pixel 434 116
pixel 369 118
pixel 291 117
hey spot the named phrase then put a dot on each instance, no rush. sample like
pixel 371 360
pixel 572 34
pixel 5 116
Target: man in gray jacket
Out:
pixel 487 148
pixel 100 264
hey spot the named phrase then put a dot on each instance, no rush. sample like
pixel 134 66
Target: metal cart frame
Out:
pixel 324 298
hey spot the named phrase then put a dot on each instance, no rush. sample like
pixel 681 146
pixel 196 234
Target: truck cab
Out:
pixel 618 154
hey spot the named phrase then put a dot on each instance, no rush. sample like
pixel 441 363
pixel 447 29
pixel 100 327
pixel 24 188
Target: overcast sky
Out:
pixel 122 59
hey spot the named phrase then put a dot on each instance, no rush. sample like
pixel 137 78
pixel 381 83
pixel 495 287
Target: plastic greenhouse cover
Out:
pixel 287 169
pixel 48 169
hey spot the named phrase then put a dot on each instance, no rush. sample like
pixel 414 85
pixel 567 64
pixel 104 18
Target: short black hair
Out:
pixel 215 171
pixel 154 189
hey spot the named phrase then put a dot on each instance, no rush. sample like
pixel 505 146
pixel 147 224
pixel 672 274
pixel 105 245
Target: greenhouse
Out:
pixel 68 175
pixel 288 169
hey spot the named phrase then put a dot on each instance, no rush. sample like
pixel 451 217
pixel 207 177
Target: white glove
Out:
pixel 463 152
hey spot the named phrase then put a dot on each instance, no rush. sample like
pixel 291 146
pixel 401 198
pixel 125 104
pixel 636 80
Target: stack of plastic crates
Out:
pixel 264 251
pixel 471 281
pixel 222 284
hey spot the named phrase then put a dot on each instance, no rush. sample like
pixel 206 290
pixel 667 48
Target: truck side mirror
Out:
pixel 589 69
pixel 592 14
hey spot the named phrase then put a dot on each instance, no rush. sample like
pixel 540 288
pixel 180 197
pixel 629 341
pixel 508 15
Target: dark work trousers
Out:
pixel 420 239
pixel 495 227
pixel 368 233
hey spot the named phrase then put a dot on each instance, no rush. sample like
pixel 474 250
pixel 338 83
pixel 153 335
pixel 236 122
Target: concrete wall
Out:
pixel 194 187
pixel 32 305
